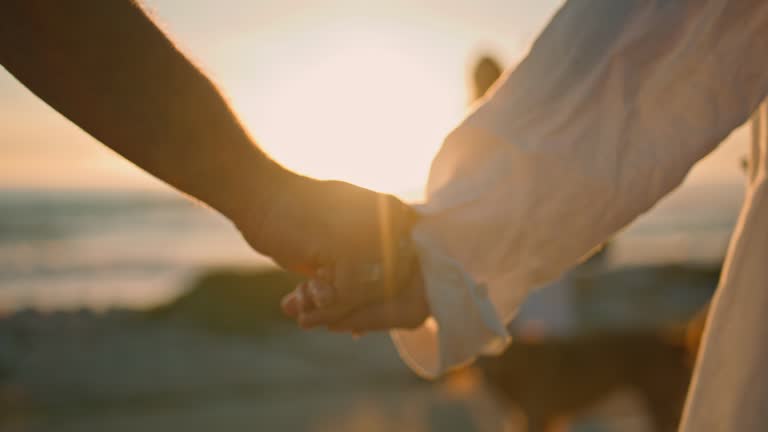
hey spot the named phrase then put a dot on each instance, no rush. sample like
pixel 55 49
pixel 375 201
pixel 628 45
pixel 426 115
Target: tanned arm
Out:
pixel 106 66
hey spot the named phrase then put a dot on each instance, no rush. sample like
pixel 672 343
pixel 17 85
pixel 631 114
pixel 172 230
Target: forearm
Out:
pixel 109 69
pixel 543 179
pixel 565 154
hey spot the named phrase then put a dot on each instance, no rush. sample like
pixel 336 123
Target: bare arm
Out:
pixel 104 65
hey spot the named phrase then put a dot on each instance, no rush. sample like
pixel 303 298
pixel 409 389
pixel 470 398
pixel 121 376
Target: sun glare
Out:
pixel 359 107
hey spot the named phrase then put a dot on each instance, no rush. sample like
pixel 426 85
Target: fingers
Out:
pixel 376 317
pixel 358 283
pixel 321 294
pixel 298 301
pixel 310 303
pixel 402 306
pixel 315 230
pixel 332 301
pixel 317 317
pixel 291 305
pixel 407 310
pixel 345 295
pixel 394 314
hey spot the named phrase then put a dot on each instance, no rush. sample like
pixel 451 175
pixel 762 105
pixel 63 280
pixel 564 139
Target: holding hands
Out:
pixel 354 246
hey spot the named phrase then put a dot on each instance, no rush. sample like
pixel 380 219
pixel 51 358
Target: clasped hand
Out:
pixel 354 246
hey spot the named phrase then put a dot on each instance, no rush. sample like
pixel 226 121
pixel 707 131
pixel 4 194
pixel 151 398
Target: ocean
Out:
pixel 104 249
pixel 101 249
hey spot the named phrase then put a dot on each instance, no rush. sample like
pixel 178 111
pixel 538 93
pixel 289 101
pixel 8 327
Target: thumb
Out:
pixel 388 315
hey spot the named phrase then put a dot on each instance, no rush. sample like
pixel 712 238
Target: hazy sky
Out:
pixel 358 90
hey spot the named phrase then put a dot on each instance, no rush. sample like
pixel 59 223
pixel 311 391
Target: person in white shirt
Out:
pixel 612 106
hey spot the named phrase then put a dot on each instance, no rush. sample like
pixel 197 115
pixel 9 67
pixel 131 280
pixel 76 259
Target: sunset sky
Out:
pixel 362 91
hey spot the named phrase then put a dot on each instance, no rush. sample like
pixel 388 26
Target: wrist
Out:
pixel 246 186
pixel 250 193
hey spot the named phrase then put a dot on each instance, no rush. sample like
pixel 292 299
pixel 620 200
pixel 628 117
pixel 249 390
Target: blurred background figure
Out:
pixel 484 73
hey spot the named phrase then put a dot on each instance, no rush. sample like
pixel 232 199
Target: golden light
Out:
pixel 358 104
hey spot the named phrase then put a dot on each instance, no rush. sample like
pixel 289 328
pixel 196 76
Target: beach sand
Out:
pixel 181 367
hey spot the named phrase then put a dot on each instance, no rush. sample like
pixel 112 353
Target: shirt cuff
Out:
pixel 464 322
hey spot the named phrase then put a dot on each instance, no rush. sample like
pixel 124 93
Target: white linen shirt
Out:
pixel 614 103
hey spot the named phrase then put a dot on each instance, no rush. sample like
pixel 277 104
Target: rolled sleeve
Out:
pixel 464 322
pixel 605 116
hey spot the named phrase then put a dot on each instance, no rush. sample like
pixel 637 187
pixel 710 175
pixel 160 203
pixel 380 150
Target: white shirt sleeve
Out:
pixel 610 109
